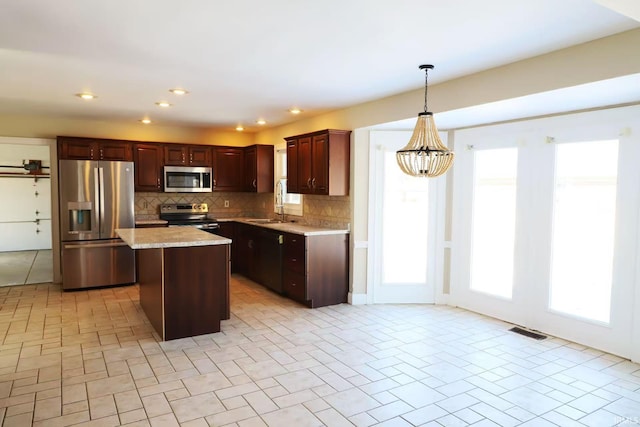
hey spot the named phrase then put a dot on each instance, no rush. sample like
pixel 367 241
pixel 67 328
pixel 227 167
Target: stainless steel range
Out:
pixel 188 215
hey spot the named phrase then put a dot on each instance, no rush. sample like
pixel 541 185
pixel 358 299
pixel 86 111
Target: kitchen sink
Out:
pixel 265 221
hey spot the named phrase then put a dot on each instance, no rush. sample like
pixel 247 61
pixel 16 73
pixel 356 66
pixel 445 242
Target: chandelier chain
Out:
pixel 426 87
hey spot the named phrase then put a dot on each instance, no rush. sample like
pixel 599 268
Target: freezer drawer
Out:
pixel 97 263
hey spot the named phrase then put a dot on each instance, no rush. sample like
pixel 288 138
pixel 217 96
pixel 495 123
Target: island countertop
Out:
pixel 168 237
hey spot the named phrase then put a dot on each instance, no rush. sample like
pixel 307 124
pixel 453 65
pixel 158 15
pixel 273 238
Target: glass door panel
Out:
pixel 583 229
pixel 493 221
pixel 404 249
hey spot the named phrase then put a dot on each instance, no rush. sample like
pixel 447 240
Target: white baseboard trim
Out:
pixel 357 299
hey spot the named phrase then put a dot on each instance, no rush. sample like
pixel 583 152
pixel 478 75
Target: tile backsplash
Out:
pixel 147 205
pixel 319 211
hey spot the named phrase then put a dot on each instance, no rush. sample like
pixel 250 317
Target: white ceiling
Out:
pixel 245 59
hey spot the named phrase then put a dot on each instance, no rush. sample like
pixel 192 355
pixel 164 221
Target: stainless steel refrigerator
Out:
pixel 96 197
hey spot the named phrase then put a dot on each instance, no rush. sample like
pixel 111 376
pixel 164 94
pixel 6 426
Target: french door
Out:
pixel 404 261
pixel 546 222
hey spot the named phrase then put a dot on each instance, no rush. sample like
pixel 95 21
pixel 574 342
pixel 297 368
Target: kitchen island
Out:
pixel 184 278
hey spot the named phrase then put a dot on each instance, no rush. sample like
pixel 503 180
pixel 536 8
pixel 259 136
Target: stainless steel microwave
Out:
pixel 186 179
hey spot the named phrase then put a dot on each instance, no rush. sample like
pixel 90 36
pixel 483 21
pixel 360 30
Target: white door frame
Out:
pixel 529 306
pixel 437 194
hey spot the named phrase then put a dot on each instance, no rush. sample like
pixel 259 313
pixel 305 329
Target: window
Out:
pixel 494 221
pixel 584 219
pixel 292 203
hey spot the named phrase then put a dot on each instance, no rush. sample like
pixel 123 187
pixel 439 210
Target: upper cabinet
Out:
pixel 74 148
pixel 187 155
pixel 228 163
pixel 318 163
pixel 148 167
pixel 258 168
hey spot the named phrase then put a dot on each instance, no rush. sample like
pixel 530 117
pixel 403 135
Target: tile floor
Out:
pixel 26 267
pixel 91 358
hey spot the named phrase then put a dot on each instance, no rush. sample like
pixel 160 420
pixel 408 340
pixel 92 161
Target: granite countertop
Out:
pixel 287 227
pixel 168 237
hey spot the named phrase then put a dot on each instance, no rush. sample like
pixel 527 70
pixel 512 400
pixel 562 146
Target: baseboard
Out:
pixel 357 299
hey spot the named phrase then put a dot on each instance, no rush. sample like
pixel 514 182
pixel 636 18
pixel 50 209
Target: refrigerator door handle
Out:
pixel 101 174
pixel 95 245
pixel 98 205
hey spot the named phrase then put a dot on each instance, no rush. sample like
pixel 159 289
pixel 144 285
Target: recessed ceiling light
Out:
pixel 239 128
pixel 146 121
pixel 178 91
pixel 86 95
pixel 261 122
pixel 163 104
pixel 295 110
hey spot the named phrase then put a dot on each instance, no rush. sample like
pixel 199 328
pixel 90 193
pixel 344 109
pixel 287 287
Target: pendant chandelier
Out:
pixel 425 155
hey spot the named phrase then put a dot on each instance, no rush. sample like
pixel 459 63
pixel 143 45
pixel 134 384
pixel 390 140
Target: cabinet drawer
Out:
pixel 295 264
pixel 294 286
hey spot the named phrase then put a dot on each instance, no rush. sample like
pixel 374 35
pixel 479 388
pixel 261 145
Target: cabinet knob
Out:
pixel 309 182
pixel 91 153
pixel 254 183
pixel 293 284
pixel 158 182
pixel 37 212
pixel 37 194
pixel 214 183
pixel 294 260
pixel 101 154
pixel 313 183
pixel 37 230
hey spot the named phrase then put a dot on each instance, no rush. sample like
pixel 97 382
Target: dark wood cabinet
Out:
pixel 148 167
pixel 318 163
pixel 76 148
pixel 228 230
pixel 259 255
pixel 258 168
pixel 292 166
pixel 245 248
pixel 228 165
pixel 315 269
pixel 181 295
pixel 187 155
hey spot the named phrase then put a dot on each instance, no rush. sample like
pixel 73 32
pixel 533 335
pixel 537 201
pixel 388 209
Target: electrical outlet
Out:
pixel 226 203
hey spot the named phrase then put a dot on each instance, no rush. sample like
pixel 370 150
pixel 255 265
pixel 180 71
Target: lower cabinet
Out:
pixel 316 269
pixel 313 270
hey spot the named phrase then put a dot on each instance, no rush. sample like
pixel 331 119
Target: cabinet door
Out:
pixel 227 169
pixel 246 250
pixel 320 164
pixel 115 150
pixel 200 156
pixel 250 170
pixel 148 167
pixel 265 156
pixel 175 155
pixel 292 166
pixel 77 149
pixel 305 170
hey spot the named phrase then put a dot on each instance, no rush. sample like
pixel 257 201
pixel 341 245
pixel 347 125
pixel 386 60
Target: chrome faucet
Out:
pixel 280 192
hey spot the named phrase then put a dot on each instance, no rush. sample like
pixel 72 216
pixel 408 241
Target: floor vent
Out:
pixel 529 334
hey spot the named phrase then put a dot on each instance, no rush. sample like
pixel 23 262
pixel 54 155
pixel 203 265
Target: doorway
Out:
pixel 546 224
pixel 25 212
pixel 404 226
